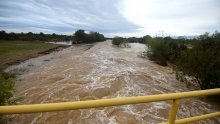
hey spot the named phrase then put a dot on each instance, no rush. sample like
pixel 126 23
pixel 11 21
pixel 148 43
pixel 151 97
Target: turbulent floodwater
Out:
pixel 103 71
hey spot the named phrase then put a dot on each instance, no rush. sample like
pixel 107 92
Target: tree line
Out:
pixel 78 37
pixel 34 36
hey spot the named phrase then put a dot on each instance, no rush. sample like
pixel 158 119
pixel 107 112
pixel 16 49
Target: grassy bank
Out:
pixel 12 52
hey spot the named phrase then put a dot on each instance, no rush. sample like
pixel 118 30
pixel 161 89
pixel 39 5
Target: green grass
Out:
pixel 12 51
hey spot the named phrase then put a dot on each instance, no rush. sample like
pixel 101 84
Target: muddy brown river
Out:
pixel 83 72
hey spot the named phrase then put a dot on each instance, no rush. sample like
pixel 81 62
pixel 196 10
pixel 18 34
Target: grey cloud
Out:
pixel 105 16
pixel 61 16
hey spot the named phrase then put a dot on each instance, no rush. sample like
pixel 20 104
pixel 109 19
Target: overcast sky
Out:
pixel 111 17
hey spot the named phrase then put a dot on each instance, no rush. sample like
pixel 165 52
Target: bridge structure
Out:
pixel 175 97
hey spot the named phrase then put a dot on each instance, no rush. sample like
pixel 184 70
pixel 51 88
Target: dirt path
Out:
pixel 103 71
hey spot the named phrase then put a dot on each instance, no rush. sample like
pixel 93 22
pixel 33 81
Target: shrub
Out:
pixel 165 49
pixel 117 40
pixel 202 62
pixel 83 37
pixel 6 86
pixel 158 51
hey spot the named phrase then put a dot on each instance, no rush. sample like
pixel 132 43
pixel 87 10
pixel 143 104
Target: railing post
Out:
pixel 173 111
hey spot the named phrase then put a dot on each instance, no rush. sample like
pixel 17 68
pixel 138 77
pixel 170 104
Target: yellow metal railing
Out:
pixel 35 108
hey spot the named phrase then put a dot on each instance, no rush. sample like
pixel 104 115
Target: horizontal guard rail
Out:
pixel 50 107
pixel 196 118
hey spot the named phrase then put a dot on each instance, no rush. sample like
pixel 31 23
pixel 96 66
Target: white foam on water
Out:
pixel 160 105
pixel 104 65
pixel 34 121
pixel 112 120
pixel 70 121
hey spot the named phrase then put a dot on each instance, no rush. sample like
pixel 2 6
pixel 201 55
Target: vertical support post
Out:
pixel 173 111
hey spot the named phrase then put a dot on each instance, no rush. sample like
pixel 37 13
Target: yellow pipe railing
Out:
pixel 35 108
pixel 196 118
pixel 173 111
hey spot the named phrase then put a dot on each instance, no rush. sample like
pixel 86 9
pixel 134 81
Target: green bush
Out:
pixel 83 37
pixel 165 49
pixel 158 51
pixel 117 40
pixel 202 62
pixel 6 86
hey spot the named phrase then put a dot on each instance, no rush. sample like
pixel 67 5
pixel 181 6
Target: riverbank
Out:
pixel 15 52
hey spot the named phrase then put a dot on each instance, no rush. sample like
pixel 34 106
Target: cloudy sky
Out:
pixel 111 17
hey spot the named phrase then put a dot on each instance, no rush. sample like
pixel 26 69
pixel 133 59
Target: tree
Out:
pixel 134 40
pixel 147 38
pixel 204 36
pixel 12 36
pixel 80 35
pixel 41 33
pixel 158 51
pixel 202 62
pixel 3 35
pixel 165 49
pixel 117 40
pixel 167 39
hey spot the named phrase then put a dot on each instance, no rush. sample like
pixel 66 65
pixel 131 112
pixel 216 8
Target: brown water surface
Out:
pixel 103 71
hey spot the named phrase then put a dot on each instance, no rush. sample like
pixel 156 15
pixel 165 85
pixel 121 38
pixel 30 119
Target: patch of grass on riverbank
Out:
pixel 6 85
pixel 15 51
pixel 12 52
